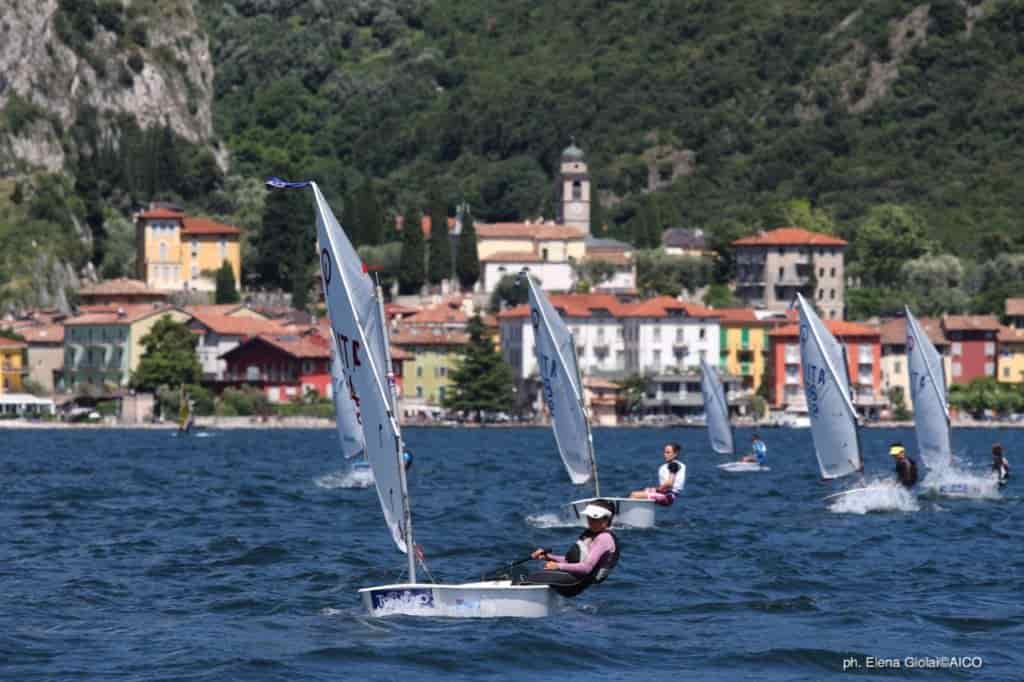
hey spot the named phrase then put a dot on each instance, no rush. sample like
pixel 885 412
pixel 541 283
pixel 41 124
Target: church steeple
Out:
pixel 575 184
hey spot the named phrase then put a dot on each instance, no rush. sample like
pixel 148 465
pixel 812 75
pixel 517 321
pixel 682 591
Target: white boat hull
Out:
pixel 629 512
pixel 740 467
pixel 489 599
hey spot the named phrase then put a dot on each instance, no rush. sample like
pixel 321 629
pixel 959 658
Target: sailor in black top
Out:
pixel 1000 466
pixel 906 468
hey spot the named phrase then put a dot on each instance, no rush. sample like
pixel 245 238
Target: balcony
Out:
pixel 792 280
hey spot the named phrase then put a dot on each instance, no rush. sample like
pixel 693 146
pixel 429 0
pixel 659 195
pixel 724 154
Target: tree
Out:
pixel 509 293
pixel 412 273
pixel 226 292
pixel 934 285
pixel 800 213
pixel 633 389
pixel 467 262
pixel 439 257
pixel 888 238
pixel 899 404
pixel 169 358
pixel 369 225
pixel 482 381
pixel 719 296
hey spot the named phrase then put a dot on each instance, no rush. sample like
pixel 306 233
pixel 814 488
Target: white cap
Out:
pixel 594 511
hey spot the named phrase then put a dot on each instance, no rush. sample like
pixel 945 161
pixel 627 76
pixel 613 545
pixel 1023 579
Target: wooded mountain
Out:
pixel 691 112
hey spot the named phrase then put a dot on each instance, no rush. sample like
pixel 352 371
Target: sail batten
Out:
pixel 833 416
pixel 556 361
pixel 716 411
pixel 928 395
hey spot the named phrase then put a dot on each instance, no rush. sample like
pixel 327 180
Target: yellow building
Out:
pixel 743 340
pixel 12 365
pixel 176 251
pixel 434 353
pixel 1010 362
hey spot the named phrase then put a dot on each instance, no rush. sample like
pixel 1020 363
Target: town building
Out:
pixel 1015 312
pixel 863 357
pixel 665 336
pixel 743 344
pixel 121 291
pixel 45 355
pixel 681 241
pixel 104 346
pixel 679 396
pixel 176 252
pixel 13 367
pixel 433 353
pixel 546 250
pixel 772 267
pixel 1010 363
pixel 220 333
pixel 972 351
pixel 893 336
pixel 284 366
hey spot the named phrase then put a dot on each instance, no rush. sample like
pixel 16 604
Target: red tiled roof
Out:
pixel 746 317
pixel 1015 307
pixel 312 347
pixel 43 333
pixel 437 314
pixel 837 327
pixel 894 331
pixel 399 354
pixel 229 325
pixel 572 305
pixel 512 257
pixel 537 231
pixel 201 226
pixel 125 314
pixel 968 323
pixel 1011 335
pixel 790 236
pixel 428 337
pixel 661 305
pixel 161 214
pixel 122 286
pixel 215 309
pixel 11 343
pixel 392 309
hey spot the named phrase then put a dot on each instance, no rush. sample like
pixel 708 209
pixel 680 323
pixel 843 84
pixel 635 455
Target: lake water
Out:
pixel 136 555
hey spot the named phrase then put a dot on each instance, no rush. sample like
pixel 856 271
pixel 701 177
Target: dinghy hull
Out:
pixel 740 467
pixel 628 512
pixel 488 599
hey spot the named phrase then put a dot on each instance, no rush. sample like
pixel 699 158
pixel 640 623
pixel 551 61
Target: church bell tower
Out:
pixel 575 183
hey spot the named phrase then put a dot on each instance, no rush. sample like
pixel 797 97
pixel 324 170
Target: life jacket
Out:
pixel 1002 470
pixel 907 472
pixel 568 584
pixel 667 470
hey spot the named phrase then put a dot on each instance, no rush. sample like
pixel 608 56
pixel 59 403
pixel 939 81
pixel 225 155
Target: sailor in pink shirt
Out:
pixel 671 479
pixel 589 561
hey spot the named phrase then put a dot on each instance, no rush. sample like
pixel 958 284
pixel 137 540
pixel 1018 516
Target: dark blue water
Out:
pixel 133 555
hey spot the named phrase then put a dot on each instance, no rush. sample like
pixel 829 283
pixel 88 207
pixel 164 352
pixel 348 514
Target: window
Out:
pixel 702 334
pixel 832 294
pixel 419 391
pixel 897 367
pixel 821 272
pixel 307 367
pixel 1006 372
pixel 577 189
pixel 440 393
pixel 223 250
pixel 619 332
pixel 989 368
pixel 957 348
pixel 990 349
pixel 956 369
pixel 195 271
pixel 679 334
pixel 600 333
pixel 443 371
pixel 832 272
pixel 544 254
pixel 657 332
pixel 419 371
pixel 252 373
pixel 782 271
pixel 821 294
pixel 195 248
pixel 163 250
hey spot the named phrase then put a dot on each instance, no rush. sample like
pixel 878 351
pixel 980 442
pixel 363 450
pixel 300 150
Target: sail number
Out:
pixel 548 370
pixel 814 379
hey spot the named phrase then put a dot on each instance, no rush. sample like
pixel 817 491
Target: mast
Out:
pixel 406 504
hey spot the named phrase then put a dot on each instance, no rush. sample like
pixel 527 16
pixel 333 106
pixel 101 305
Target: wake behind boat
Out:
pixel 360 338
pixel 563 395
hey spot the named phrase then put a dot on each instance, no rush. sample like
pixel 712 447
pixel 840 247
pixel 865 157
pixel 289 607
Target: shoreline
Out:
pixel 236 423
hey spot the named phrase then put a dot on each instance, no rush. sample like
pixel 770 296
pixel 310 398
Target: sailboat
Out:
pixel 185 419
pixel 360 335
pixel 929 396
pixel 827 390
pixel 716 411
pixel 563 394
pixel 353 442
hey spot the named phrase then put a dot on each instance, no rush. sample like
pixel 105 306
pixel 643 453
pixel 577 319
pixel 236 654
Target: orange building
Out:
pixel 863 358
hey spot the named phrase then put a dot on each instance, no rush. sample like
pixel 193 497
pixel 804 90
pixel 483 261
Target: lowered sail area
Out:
pixel 556 361
pixel 358 335
pixel 716 410
pixel 827 389
pixel 928 393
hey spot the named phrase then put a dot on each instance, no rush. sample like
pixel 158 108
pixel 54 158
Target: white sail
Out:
pixel 716 410
pixel 827 389
pixel 928 393
pixel 358 333
pixel 556 362
pixel 350 431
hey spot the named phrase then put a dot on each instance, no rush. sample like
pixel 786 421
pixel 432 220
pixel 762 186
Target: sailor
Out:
pixel 1000 466
pixel 906 468
pixel 407 459
pixel 758 451
pixel 589 561
pixel 671 479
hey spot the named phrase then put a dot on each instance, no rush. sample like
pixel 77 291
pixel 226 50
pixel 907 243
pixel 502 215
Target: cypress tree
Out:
pixel 226 291
pixel 412 272
pixel 467 264
pixel 439 260
pixel 368 214
pixel 482 381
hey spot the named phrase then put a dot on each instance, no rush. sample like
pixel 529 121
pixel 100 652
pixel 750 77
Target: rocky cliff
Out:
pixel 115 60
